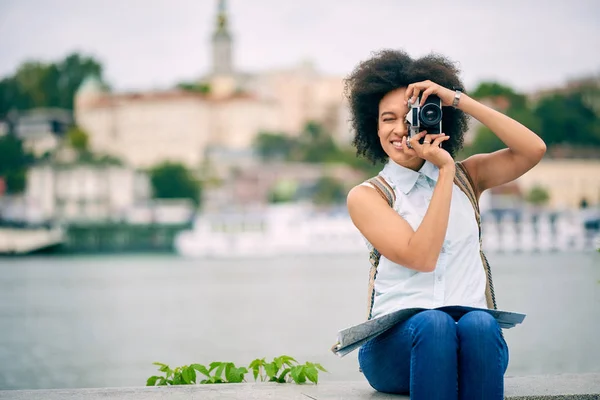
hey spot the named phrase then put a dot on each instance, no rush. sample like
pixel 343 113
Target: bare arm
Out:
pixel 392 236
pixel 525 148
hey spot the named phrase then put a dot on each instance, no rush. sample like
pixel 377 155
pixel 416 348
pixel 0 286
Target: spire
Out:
pixel 222 43
pixel 222 16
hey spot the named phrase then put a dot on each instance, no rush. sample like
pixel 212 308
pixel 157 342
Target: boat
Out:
pixel 280 229
pixel 23 240
pixel 303 229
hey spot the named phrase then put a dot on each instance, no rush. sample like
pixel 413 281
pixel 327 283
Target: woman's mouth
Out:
pixel 397 144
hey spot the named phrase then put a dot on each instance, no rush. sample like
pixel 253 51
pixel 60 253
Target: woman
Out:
pixel 428 240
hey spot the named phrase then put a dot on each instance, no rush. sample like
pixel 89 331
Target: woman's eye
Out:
pixel 388 119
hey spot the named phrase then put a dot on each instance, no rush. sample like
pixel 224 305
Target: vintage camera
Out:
pixel 427 117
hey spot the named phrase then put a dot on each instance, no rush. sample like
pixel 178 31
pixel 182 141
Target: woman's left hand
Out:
pixel 427 88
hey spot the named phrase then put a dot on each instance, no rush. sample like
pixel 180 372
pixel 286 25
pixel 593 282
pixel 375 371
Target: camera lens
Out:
pixel 430 114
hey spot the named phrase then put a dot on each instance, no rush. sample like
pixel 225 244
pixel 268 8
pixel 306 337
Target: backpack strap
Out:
pixel 464 182
pixel 387 193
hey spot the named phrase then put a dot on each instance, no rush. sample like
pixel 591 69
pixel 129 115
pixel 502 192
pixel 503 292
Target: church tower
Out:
pixel 222 44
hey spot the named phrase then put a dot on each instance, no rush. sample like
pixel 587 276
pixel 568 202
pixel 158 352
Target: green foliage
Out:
pixel 203 88
pixel 173 181
pixel 283 191
pixel 492 89
pixel 38 84
pixel 538 196
pixel 495 89
pixel 78 139
pixel 314 145
pixel 485 142
pixel 274 146
pixel 329 190
pixel 562 119
pixel 14 161
pixel 86 157
pixel 217 372
pixel 283 369
pixel 567 119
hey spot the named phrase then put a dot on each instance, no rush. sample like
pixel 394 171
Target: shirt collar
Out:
pixel 405 178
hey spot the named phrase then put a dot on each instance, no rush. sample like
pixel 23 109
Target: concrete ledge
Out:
pixel 581 386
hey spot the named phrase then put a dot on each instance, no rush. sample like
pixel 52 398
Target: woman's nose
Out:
pixel 400 128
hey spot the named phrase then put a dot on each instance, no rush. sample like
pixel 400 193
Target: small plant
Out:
pixel 283 369
pixel 217 372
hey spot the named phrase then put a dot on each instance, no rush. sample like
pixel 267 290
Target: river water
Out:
pixel 70 322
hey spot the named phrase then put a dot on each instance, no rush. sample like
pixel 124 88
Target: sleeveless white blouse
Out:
pixel 459 277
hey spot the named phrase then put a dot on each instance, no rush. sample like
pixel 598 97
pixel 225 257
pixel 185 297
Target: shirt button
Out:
pixel 439 278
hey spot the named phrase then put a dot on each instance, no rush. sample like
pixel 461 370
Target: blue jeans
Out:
pixel 432 357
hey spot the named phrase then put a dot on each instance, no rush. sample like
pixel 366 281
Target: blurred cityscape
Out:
pixel 251 164
pixel 173 178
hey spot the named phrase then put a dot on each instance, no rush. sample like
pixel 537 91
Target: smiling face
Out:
pixel 392 127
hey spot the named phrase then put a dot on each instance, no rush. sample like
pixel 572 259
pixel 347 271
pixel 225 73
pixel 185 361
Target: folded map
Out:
pixel 351 338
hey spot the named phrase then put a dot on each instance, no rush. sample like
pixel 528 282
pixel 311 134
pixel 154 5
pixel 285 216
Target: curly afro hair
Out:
pixel 388 70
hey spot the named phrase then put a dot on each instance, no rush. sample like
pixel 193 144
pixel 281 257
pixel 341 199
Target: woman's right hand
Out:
pixel 430 150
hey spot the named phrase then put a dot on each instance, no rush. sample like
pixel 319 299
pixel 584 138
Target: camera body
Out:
pixel 427 117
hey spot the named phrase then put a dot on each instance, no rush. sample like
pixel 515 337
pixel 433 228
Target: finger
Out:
pixel 405 147
pixel 407 143
pixel 426 94
pixel 416 139
pixel 439 140
pixel 416 93
pixel 431 137
pixel 408 93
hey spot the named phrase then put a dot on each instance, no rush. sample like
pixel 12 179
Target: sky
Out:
pixel 153 44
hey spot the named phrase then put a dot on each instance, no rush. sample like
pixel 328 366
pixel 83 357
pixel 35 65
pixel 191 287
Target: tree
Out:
pixel 537 196
pixel 329 190
pixel 273 146
pixel 283 191
pixel 567 119
pixel 349 157
pixel 173 181
pixel 14 161
pixel 203 88
pixel 38 84
pixel 495 89
pixel 315 145
pixel 78 139
pixel 518 108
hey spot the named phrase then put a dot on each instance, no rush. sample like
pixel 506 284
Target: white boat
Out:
pixel 28 240
pixel 276 230
pixel 294 229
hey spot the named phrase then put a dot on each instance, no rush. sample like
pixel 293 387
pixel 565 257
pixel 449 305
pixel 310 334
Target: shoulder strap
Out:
pixel 462 179
pixel 384 189
pixel 464 182
pixel 387 193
